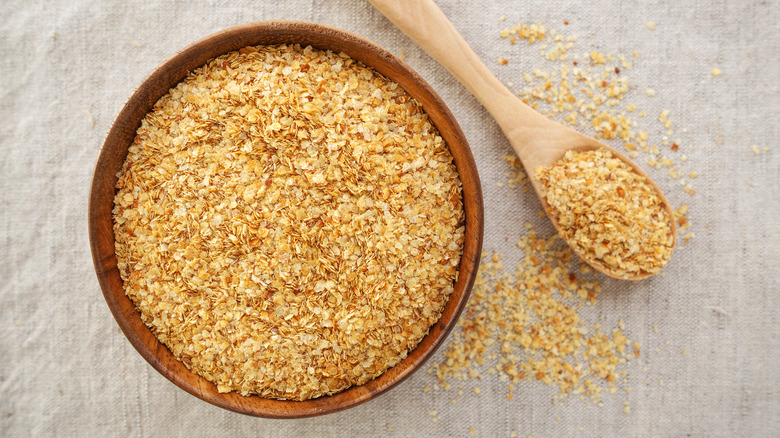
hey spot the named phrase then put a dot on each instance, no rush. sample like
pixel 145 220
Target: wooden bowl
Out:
pixel 121 135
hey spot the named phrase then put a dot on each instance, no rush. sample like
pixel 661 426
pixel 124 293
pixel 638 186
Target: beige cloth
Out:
pixel 67 67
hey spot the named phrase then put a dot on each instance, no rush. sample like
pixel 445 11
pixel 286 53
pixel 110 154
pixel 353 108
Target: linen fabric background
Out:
pixel 68 67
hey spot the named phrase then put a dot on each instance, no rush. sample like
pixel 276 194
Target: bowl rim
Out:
pixel 114 150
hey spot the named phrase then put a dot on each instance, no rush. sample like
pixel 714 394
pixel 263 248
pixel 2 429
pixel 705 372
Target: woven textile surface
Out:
pixel 708 326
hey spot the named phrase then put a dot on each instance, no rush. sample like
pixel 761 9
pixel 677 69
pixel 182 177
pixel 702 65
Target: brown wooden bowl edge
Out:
pixel 352 396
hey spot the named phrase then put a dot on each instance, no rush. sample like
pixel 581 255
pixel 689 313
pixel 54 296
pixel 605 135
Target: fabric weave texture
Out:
pixel 68 67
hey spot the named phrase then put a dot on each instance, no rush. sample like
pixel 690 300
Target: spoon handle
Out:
pixel 530 134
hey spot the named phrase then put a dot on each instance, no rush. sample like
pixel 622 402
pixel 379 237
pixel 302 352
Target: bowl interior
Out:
pixel 122 133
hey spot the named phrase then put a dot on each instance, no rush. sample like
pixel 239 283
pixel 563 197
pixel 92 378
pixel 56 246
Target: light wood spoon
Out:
pixel 537 140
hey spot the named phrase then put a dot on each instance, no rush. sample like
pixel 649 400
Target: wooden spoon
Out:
pixel 537 140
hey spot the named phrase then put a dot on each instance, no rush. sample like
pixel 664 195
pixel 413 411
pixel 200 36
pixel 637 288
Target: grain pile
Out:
pixel 526 325
pixel 288 222
pixel 608 213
